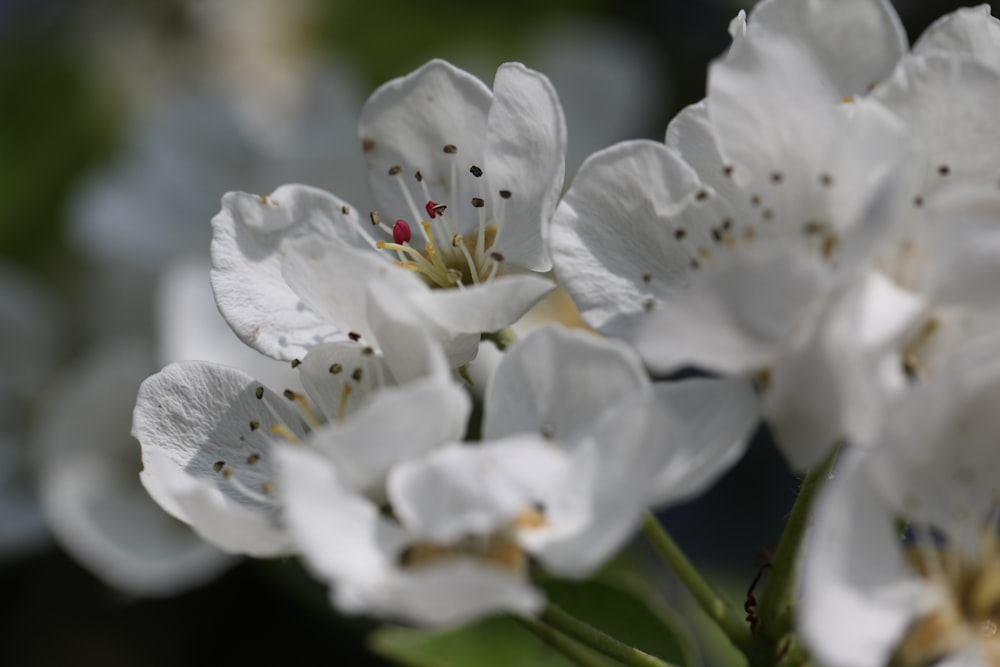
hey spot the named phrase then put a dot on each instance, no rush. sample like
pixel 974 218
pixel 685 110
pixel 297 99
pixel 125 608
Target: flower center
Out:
pixel 968 607
pixel 445 252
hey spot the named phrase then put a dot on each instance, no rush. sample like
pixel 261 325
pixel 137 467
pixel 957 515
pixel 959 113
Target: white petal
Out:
pixel 193 418
pixel 449 594
pixel 486 307
pixel 246 265
pixel 557 382
pixel 858 596
pixel 969 30
pixel 340 534
pixel 613 229
pixel 190 327
pixel 396 424
pixel 332 280
pixel 712 423
pixel 965 248
pixel 735 318
pixel 89 484
pixel 956 142
pixel 408 121
pixel 525 155
pixel 475 490
pixel 855 42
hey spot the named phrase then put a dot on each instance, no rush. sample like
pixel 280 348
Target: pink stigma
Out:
pixel 431 205
pixel 401 232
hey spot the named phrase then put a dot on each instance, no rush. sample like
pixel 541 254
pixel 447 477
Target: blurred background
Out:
pixel 122 123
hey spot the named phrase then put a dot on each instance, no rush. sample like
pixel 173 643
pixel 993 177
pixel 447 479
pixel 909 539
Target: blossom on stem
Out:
pixel 472 175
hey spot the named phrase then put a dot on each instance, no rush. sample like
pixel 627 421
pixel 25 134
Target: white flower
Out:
pixel 464 180
pixel 874 595
pixel 577 446
pixel 89 487
pixel 209 433
pixel 721 249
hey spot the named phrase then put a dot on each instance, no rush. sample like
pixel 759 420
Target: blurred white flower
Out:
pixel 875 595
pixel 470 178
pixel 88 482
pixel 721 248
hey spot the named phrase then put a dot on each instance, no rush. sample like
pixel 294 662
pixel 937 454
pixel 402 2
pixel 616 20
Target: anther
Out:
pixel 353 335
pixel 679 234
pixel 296 363
pixel 289 394
pixel 401 232
pixel 918 201
pixel 218 466
pixel 646 277
pixel 368 351
pixel 267 487
pixel 826 180
pixel 755 200
pixel 367 145
pixel 475 171
pixel 701 195
pixel 431 208
pixel 505 194
pixel 419 176
pixel 496 256
pixel 450 149
pixel 345 209
pixel 253 458
pixel 727 170
pixel 335 368
pixel 254 424
pixel 259 393
pixel 457 240
pixel 395 169
pixel 777 177
pixel 944 170
pixel 439 209
pixel 648 305
pixel 478 202
pixel 375 218
pixel 716 234
pixel 356 375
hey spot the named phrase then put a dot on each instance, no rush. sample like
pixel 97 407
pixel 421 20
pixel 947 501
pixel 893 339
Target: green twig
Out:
pixel 561 643
pixel 586 634
pixel 777 598
pixel 731 623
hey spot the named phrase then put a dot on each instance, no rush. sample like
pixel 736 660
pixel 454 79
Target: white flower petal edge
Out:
pixel 855 42
pixel 246 265
pixel 970 30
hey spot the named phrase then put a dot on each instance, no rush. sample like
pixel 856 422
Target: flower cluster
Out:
pixel 816 239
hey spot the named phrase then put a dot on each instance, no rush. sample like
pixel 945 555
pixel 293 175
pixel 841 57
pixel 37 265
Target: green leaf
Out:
pixel 615 607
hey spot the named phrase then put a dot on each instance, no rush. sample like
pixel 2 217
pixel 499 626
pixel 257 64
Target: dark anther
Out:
pixel 395 169
pixel 450 149
pixel 259 393
pixel 336 368
pixel 478 202
pixel 353 335
pixel 254 424
pixel 475 171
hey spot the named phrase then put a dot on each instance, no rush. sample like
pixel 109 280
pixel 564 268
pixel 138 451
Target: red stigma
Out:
pixel 431 205
pixel 401 232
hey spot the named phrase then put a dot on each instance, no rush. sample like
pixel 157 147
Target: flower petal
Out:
pixel 206 441
pixel 525 155
pixel 463 490
pixel 486 307
pixel 613 230
pixel 735 318
pixel 408 121
pixel 712 420
pixel 968 30
pixel 856 43
pixel 246 265
pixel 556 382
pixel 93 501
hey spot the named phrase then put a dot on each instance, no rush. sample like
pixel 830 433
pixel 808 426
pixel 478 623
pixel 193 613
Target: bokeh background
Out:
pixel 122 123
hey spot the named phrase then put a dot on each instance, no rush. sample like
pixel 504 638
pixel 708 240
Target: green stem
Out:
pixel 561 643
pixel 731 623
pixel 776 599
pixel 502 339
pixel 597 640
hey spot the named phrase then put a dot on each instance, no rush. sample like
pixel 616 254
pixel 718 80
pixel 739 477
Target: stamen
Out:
pixel 304 404
pixel 227 473
pixel 401 232
pixel 457 241
pixel 414 211
pixel 344 395
pixel 285 432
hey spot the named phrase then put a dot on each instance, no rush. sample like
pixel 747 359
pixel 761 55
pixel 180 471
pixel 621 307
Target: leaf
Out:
pixel 617 608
